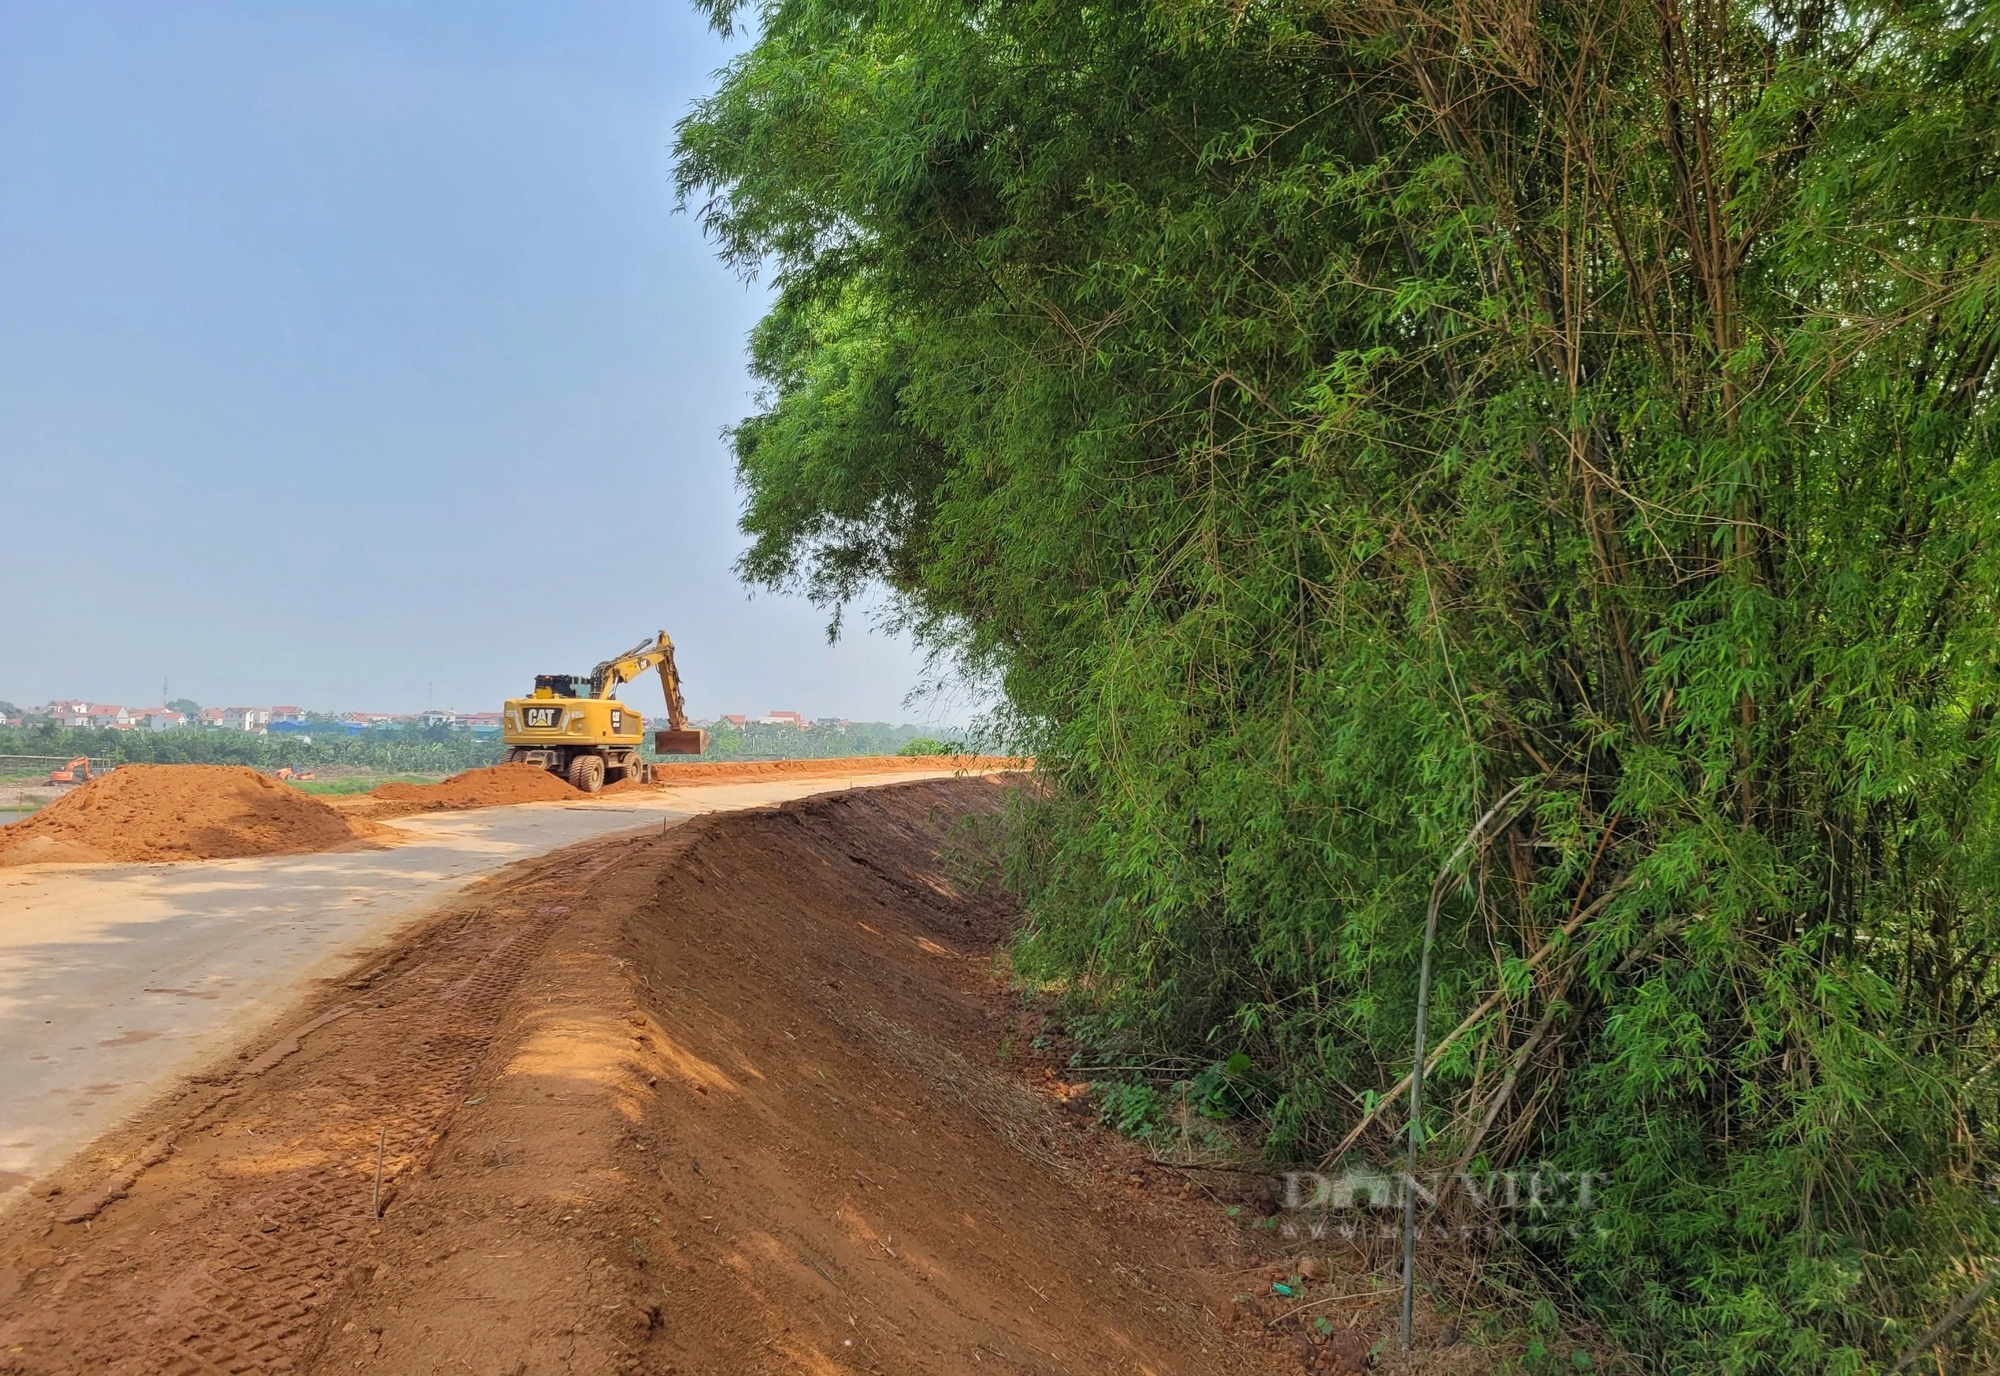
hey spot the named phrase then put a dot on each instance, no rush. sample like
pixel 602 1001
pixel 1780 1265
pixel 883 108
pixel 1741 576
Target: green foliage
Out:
pixel 356 784
pixel 388 750
pixel 1167 1115
pixel 1326 419
pixel 1222 1090
pixel 1133 1108
pixel 925 745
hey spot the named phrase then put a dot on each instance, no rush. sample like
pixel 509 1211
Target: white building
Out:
pixel 69 712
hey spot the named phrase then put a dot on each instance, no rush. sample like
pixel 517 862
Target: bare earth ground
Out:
pixel 723 1098
pixel 117 979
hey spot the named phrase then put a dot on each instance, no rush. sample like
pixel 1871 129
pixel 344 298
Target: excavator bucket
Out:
pixel 687 742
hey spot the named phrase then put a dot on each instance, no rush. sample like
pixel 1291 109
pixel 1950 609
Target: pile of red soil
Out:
pixel 494 786
pixel 141 813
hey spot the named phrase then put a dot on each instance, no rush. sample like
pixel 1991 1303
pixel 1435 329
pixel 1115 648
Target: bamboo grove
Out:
pixel 1325 420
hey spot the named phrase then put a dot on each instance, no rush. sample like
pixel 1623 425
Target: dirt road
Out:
pixel 114 978
pixel 731 1097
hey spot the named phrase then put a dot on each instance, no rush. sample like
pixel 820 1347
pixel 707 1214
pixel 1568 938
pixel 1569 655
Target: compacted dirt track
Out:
pixel 719 1099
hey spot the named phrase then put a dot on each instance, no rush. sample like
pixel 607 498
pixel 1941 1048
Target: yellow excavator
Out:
pixel 575 727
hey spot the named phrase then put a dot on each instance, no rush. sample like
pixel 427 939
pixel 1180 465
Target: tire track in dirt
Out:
pixel 269 1194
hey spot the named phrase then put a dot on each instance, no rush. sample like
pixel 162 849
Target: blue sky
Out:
pixel 353 355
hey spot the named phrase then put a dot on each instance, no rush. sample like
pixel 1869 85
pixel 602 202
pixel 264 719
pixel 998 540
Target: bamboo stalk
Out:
pixel 1492 1002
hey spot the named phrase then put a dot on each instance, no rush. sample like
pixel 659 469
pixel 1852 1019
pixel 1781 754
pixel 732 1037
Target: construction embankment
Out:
pixel 505 784
pixel 118 980
pixel 157 813
pixel 744 1095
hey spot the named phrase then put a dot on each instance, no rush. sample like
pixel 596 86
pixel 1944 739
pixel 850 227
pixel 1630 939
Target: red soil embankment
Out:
pixel 733 1096
pixel 494 786
pixel 500 785
pixel 141 813
pixel 746 771
pixel 746 1114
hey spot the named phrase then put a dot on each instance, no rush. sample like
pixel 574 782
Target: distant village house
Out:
pixel 70 713
pixel 157 719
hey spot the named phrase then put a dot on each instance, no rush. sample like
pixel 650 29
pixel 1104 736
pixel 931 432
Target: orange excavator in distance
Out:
pixel 77 771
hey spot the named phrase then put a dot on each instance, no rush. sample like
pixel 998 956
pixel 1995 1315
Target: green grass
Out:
pixel 361 783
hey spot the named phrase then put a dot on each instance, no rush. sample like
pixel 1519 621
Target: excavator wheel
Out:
pixel 586 772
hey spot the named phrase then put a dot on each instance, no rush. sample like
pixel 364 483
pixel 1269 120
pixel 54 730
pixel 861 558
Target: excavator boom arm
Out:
pixel 657 653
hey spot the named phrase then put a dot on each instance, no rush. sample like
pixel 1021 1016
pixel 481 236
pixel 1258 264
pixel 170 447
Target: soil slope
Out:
pixel 150 812
pixel 499 785
pixel 723 1098
pixel 495 786
pixel 744 771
